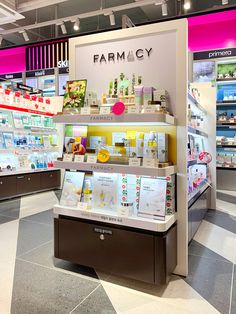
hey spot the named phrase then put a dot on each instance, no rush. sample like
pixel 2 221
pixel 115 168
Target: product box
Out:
pixel 160 95
pixel 72 188
pixel 95 141
pixel 162 147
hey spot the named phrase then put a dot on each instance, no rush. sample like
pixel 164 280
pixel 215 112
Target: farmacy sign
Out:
pixel 214 54
pixel 129 56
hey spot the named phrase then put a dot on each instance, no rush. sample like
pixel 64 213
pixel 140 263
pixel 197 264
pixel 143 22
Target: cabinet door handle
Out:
pixel 21 177
pixel 102 237
pixel 28 179
pixel 0 182
pixel 50 175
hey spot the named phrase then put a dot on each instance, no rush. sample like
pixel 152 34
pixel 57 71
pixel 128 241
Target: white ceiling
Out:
pixel 29 13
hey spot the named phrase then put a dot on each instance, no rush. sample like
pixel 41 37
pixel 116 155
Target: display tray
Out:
pixel 129 119
pixel 112 168
pixel 196 103
pixel 113 218
pixel 195 195
pixel 25 171
pixel 196 131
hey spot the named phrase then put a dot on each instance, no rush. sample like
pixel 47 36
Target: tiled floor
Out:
pixel 32 281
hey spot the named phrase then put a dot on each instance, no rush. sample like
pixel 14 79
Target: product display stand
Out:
pixel 145 249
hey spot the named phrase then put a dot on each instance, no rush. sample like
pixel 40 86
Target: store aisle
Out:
pixel 32 282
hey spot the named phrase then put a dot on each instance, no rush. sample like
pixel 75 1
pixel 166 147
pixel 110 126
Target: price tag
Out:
pixel 150 163
pixel 85 111
pixel 92 159
pixel 79 158
pixel 149 109
pixel 134 162
pixel 82 206
pixel 67 157
pixel 133 109
pixel 105 110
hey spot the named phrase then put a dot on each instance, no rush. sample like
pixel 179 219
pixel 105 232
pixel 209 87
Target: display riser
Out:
pixel 197 212
pixel 18 185
pixel 226 179
pixel 133 253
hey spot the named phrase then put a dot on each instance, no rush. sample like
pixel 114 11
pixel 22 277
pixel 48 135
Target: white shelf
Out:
pixel 199 190
pixel 111 119
pixel 25 171
pixel 110 168
pixel 196 131
pixel 113 218
pixel 196 103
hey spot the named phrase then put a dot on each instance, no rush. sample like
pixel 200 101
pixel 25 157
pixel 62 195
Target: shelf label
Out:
pixel 150 163
pixel 85 111
pixel 82 206
pixel 134 162
pixel 67 157
pixel 92 159
pixel 149 109
pixel 133 109
pixel 105 110
pixel 79 158
pixel 101 217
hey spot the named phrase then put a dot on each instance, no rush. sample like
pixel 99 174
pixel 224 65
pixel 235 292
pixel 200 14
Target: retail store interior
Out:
pixel 117 156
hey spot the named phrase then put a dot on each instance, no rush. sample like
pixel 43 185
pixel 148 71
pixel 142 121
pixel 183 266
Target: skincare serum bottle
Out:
pixel 152 146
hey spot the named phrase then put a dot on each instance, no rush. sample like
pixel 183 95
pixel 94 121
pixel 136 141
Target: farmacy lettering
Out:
pixel 129 56
pixel 216 54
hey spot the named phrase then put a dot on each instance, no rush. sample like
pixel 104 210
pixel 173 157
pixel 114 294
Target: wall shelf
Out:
pixel 111 119
pixel 196 131
pixel 13 108
pixel 199 191
pixel 110 168
pixel 196 103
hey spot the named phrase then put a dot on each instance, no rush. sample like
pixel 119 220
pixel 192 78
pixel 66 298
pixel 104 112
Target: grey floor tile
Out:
pixel 226 197
pixel 97 303
pixel 212 280
pixel 5 219
pixel 233 305
pixel 197 249
pixel 31 235
pixel 221 219
pixel 10 208
pixel 58 194
pixel 38 290
pixel 44 255
pixel 45 217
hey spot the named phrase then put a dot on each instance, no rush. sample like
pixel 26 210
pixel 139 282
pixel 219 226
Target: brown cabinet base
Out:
pixel 22 184
pixel 146 256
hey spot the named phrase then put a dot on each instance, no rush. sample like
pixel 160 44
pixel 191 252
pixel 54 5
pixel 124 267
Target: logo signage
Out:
pixel 11 76
pixel 63 64
pixel 214 54
pixel 119 56
pixel 40 73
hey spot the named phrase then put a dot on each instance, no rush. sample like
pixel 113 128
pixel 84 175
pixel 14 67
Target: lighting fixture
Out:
pixel 25 35
pixel 63 28
pixel 224 2
pixel 112 19
pixel 77 24
pixel 187 4
pixel 164 8
pixel 1 39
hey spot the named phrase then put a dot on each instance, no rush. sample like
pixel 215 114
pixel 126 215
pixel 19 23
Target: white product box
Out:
pixel 162 147
pixel 96 140
pixel 160 95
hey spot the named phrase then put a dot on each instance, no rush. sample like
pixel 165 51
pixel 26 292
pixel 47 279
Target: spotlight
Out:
pixel 224 2
pixel 187 4
pixel 112 19
pixel 63 28
pixel 77 24
pixel 1 39
pixel 25 35
pixel 164 8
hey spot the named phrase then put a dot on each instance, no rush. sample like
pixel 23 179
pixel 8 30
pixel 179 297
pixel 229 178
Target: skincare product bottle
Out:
pixel 138 90
pixel 139 144
pixel 147 95
pixel 88 193
pixel 152 146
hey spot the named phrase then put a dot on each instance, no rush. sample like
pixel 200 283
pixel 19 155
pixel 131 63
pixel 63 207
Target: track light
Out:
pixel 224 2
pixel 77 24
pixel 187 4
pixel 164 8
pixel 1 39
pixel 25 35
pixel 63 28
pixel 112 19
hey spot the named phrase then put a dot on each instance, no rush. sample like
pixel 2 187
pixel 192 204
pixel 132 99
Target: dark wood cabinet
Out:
pixel 7 186
pixel 16 185
pixel 123 251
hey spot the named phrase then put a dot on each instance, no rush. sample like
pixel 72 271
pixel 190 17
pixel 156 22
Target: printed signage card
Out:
pixel 152 202
pixel 105 190
pixel 74 96
pixel 72 188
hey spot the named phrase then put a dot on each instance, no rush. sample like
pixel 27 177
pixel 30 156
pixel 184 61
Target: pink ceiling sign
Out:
pixel 12 60
pixel 212 31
